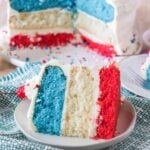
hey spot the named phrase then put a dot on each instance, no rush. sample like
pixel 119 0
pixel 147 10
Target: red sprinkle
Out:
pixel 28 84
pixel 44 61
pixel 21 92
pixel 37 86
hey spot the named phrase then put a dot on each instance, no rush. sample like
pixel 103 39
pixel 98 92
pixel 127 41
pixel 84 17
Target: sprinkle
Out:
pixel 84 58
pixel 37 86
pixel 27 59
pixel 68 56
pixel 133 40
pixel 44 61
pixel 38 100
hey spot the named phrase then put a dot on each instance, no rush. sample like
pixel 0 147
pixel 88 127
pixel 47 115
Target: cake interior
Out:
pixel 79 105
pixel 49 24
pixel 109 102
pixel 49 101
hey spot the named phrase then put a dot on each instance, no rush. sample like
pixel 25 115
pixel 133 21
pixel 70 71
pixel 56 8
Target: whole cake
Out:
pixel 145 69
pixel 105 26
pixel 76 101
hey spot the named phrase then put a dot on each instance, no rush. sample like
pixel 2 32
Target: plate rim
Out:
pixel 123 84
pixel 102 143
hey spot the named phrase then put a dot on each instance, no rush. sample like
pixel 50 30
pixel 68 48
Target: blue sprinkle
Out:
pixel 27 59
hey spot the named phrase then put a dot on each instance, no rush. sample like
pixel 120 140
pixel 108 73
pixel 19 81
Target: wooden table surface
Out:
pixel 5 66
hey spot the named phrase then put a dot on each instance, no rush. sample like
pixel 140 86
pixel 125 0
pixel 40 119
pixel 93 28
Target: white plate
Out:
pixel 126 123
pixel 67 55
pixel 131 76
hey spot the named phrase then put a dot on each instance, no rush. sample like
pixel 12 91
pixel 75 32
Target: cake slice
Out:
pixel 75 101
pixel 145 69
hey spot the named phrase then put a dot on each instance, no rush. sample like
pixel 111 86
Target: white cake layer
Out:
pixel 47 19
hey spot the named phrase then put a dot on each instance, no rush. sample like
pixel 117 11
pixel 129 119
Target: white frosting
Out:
pixel 97 94
pixel 30 86
pixel 144 67
pixel 42 31
pixel 31 93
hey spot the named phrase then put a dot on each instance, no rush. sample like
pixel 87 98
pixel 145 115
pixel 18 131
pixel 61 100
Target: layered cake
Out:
pixel 74 101
pixel 145 69
pixel 105 26
pixel 42 23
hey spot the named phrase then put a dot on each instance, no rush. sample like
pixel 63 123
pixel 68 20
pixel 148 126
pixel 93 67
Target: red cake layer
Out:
pixel 45 40
pixel 60 39
pixel 109 102
pixel 105 50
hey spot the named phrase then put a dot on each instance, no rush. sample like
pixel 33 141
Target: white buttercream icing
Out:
pixel 47 19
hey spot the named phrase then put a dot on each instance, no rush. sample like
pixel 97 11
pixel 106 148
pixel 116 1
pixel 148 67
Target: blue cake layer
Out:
pixel 36 5
pixel 49 101
pixel 148 73
pixel 97 8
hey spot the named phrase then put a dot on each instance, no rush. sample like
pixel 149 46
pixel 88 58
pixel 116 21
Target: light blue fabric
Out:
pixel 12 139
